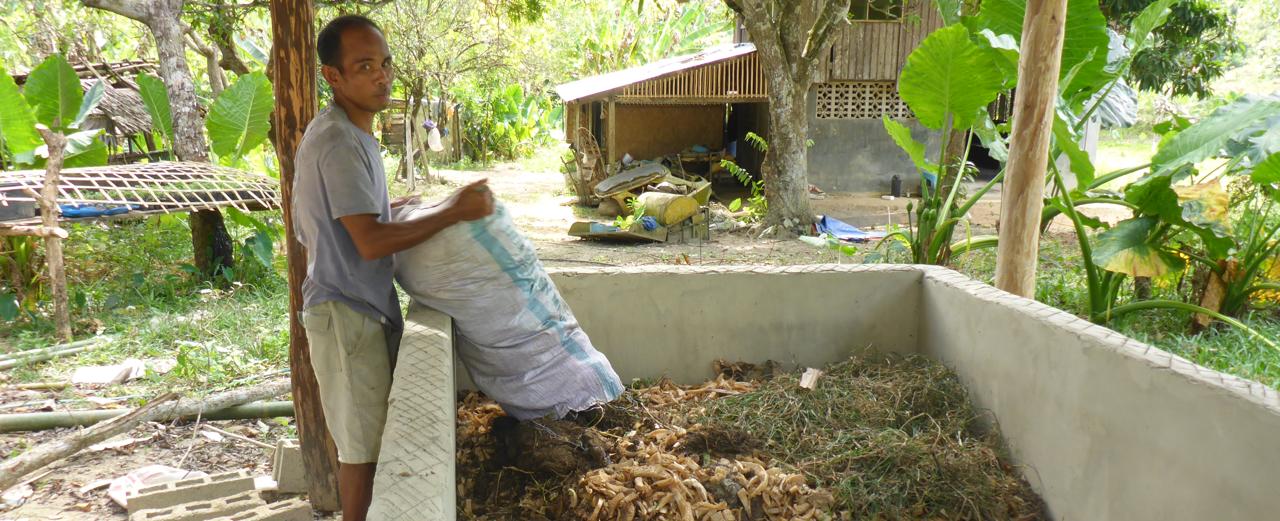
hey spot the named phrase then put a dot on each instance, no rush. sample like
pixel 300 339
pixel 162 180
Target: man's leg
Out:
pixel 349 354
pixel 355 488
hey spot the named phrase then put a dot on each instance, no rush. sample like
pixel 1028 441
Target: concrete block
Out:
pixel 289 510
pixel 415 479
pixel 287 469
pixel 203 510
pixel 174 493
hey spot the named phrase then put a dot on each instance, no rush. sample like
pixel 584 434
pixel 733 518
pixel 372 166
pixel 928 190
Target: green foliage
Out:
pixel 1189 51
pixel 757 205
pixel 240 118
pixel 625 222
pixel 1211 135
pixel 85 149
pixel 1084 47
pixel 507 125
pixel 53 91
pixel 1125 249
pixel 90 102
pixel 914 149
pixel 156 99
pixel 948 74
pixel 17 122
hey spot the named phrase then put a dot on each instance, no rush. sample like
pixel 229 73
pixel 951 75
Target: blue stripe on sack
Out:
pixel 509 266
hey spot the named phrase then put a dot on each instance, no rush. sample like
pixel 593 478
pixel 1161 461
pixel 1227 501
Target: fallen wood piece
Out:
pixel 809 380
pixel 57 347
pixel 38 421
pixel 13 469
pixel 235 436
pixel 40 386
pixel 33 231
pixel 49 353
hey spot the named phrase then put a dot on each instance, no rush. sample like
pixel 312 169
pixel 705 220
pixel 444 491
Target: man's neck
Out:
pixel 360 118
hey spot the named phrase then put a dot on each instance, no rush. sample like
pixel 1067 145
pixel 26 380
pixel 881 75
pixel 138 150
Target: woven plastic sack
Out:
pixel 516 336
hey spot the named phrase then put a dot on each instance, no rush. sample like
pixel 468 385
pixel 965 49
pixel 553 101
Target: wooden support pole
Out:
pixel 293 72
pixel 52 241
pixel 1022 198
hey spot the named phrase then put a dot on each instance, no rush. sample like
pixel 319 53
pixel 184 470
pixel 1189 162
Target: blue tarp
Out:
pixel 845 231
pixel 84 210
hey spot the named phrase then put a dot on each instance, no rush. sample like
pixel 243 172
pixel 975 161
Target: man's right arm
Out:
pixel 375 240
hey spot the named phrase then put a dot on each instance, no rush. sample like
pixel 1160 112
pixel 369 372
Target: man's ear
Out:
pixel 330 74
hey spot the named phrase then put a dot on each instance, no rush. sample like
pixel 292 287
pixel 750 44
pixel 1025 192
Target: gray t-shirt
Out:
pixel 339 173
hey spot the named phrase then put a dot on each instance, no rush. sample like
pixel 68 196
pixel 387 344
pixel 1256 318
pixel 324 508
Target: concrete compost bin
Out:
pixel 1102 426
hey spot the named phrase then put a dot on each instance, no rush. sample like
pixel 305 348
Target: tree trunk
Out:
pixel 208 231
pixel 786 168
pixel 293 73
pixel 1023 194
pixel 210 241
pixel 53 243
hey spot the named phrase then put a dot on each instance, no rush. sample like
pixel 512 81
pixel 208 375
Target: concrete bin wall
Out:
pixel 1104 427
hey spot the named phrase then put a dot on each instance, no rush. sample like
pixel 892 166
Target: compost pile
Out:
pixel 877 438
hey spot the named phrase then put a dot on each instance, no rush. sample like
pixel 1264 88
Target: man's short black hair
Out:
pixel 329 43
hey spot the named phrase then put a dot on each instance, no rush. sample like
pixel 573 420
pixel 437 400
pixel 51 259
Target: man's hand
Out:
pixel 471 202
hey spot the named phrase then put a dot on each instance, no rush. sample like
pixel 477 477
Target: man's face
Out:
pixel 366 72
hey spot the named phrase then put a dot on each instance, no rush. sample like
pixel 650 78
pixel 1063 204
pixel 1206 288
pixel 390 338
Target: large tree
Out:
pixel 790 37
pixel 209 236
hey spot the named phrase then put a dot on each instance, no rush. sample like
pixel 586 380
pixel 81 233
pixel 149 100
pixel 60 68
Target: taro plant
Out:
pixel 756 205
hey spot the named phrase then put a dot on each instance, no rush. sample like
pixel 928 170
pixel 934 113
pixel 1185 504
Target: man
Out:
pixel 343 217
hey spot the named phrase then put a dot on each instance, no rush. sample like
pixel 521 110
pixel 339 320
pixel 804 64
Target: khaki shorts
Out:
pixel 349 355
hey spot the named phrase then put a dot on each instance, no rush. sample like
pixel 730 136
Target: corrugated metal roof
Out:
pixel 605 83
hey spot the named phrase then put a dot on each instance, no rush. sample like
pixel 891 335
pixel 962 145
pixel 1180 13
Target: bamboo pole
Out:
pixel 293 74
pixel 1022 199
pixel 39 421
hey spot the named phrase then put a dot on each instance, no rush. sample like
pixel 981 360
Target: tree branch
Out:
pixel 127 8
pixel 833 13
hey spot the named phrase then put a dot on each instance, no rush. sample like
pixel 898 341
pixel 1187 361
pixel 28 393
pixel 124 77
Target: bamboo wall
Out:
pixel 736 80
pixel 877 50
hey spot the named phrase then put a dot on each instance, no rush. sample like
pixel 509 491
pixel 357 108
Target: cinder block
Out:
pixel 289 510
pixel 287 469
pixel 203 510
pixel 175 493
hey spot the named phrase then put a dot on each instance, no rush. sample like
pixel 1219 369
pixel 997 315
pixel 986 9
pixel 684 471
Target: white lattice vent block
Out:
pixel 860 100
pixel 416 479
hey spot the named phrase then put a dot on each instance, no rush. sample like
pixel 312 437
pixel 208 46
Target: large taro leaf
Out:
pixel 1210 135
pixel 948 74
pixel 1084 47
pixel 996 144
pixel 1004 52
pixel 156 99
pixel 85 149
pixel 1268 171
pixel 241 116
pixel 1126 248
pixel 90 102
pixel 1081 164
pixel 53 91
pixel 17 123
pixel 914 149
pixel 1153 195
pixel 1206 205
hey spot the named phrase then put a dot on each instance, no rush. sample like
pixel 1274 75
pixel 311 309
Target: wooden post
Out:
pixel 293 73
pixel 48 199
pixel 1022 198
pixel 610 141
